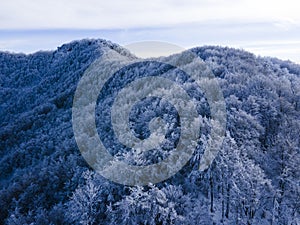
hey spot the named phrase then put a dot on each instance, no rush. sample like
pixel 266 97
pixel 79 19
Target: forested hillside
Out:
pixel 255 178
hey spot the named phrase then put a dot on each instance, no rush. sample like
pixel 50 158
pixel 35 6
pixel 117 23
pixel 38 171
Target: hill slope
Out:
pixel 45 180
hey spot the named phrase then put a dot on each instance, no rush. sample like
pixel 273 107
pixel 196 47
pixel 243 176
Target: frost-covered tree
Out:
pixel 152 205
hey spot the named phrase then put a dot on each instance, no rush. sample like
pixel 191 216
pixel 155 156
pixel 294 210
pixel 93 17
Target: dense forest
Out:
pixel 254 179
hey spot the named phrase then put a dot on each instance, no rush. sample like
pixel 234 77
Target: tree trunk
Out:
pixel 223 199
pixel 211 193
pixel 227 201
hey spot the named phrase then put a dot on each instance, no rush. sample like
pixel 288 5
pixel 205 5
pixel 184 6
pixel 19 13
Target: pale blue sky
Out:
pixel 268 28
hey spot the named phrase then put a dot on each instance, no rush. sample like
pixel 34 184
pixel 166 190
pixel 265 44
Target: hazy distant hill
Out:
pixel 45 180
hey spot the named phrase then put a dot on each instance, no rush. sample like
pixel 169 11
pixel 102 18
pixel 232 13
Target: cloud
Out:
pixel 100 14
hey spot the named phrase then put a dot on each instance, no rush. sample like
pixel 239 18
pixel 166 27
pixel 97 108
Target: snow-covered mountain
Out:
pixel 45 180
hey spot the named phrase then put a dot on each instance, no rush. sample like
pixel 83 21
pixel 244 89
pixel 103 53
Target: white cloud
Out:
pixel 95 14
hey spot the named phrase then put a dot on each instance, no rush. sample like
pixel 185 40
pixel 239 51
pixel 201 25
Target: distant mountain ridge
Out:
pixel 45 180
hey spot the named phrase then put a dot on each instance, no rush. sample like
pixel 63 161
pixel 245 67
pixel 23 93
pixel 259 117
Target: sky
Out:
pixel 264 27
